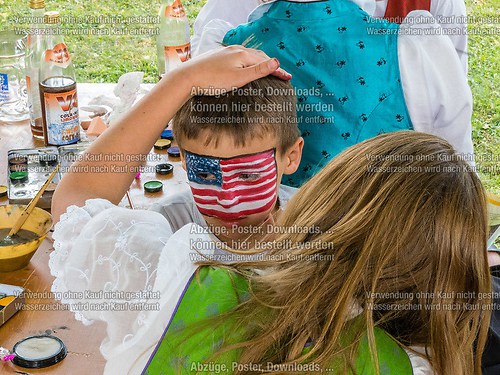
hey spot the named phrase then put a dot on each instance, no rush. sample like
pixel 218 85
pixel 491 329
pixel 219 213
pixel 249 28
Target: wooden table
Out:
pixel 47 315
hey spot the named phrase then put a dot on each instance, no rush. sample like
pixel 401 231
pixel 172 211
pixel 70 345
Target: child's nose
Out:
pixel 227 197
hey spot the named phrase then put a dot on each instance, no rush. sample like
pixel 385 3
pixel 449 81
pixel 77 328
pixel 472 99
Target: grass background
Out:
pixel 100 58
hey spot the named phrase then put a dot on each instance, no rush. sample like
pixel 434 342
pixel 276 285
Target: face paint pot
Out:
pixel 39 351
pixel 153 186
pixel 174 152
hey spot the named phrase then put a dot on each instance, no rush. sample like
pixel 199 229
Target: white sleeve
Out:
pixel 212 36
pixel 125 268
pixel 435 87
pixel 419 364
pixel 225 10
pixel 452 16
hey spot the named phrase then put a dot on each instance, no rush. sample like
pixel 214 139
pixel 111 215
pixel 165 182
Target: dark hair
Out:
pixel 262 107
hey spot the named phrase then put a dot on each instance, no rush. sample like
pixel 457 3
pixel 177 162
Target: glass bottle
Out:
pixel 173 40
pixel 61 123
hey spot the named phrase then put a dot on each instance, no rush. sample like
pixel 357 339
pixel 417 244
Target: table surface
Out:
pixel 47 315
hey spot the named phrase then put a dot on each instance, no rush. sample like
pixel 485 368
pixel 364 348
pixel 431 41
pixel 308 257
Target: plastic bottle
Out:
pixel 173 41
pixel 35 49
pixel 61 123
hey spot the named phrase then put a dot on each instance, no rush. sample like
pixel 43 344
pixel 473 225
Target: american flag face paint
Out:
pixel 233 188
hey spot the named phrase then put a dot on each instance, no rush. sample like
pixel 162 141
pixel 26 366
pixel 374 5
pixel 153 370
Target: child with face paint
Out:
pixel 235 149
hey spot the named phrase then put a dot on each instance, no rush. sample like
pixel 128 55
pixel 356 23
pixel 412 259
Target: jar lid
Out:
pixel 3 190
pixel 19 176
pixel 37 4
pixel 162 144
pixel 39 351
pixel 47 159
pixel 164 169
pixel 174 151
pixel 18 159
pixel 153 186
pixel 167 134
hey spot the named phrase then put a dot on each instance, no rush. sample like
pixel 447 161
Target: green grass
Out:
pixel 101 58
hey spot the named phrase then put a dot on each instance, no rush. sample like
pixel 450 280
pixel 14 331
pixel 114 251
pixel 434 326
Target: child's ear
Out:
pixel 293 156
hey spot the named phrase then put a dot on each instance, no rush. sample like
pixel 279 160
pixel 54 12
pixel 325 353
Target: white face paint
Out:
pixel 37 348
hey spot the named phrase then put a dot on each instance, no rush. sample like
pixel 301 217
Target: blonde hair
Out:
pixel 400 212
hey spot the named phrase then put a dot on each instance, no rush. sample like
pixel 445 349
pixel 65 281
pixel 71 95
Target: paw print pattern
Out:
pixel 341 63
pixel 343 100
pixel 341 29
pixel 307 168
pixel 281 45
pixel 328 10
pixel 325 154
pixel 291 181
pixel 320 84
pixel 306 133
pixel 265 30
pixel 288 14
pixel 363 117
pixel 361 81
pixel 346 136
pixel 322 119
pixel 302 98
pixel 381 62
pixel 300 63
pixel 399 117
pixel 301 29
pixel 365 19
pixel 382 97
pixel 361 44
pixel 319 48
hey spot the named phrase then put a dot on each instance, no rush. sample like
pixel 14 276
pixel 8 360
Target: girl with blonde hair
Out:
pixel 385 250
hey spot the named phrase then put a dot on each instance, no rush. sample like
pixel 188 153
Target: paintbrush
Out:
pixel 27 211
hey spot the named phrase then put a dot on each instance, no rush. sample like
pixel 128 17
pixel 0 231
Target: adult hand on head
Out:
pixel 230 67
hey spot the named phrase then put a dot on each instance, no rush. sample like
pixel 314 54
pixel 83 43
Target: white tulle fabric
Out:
pixel 104 251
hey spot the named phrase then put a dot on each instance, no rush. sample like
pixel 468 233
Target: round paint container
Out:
pixel 167 134
pixel 19 177
pixel 47 159
pixel 164 169
pixel 18 168
pixel 174 152
pixel 18 159
pixel 162 144
pixel 39 351
pixel 3 191
pixel 153 186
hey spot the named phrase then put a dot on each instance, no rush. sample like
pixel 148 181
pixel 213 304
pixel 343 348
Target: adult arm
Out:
pixel 137 131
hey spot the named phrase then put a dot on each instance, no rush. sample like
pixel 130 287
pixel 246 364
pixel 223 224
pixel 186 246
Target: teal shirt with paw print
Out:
pixel 345 71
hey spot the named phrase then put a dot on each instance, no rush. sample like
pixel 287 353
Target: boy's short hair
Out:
pixel 265 106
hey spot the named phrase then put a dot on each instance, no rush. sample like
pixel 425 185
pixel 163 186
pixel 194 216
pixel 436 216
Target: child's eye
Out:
pixel 250 176
pixel 207 176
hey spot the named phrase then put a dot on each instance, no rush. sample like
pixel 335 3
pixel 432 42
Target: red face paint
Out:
pixel 233 188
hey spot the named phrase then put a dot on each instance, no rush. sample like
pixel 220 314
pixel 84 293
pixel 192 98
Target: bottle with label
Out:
pixel 61 123
pixel 173 41
pixel 35 48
